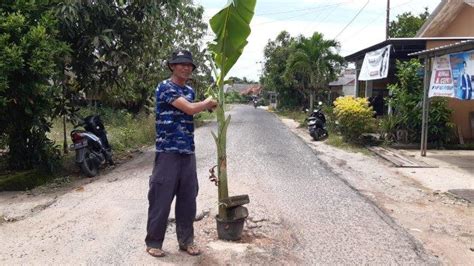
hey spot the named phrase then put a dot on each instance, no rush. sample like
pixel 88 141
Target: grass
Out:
pixel 337 141
pixel 126 133
pixel 334 138
pixel 298 116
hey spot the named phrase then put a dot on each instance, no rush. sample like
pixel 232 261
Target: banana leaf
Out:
pixel 232 27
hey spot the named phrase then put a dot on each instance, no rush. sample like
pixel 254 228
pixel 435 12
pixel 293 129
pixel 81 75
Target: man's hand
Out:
pixel 211 104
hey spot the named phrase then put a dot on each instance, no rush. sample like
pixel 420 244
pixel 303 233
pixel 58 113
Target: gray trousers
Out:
pixel 173 175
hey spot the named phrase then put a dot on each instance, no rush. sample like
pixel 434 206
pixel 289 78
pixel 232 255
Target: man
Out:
pixel 174 171
pixel 465 84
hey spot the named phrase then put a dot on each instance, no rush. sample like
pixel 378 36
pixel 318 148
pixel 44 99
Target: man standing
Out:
pixel 174 171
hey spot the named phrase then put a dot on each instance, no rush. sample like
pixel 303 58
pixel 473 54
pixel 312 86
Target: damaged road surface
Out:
pixel 300 212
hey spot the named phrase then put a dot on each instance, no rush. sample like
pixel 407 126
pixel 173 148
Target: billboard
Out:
pixel 453 76
pixel 375 65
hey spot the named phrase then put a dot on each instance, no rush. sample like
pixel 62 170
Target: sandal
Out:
pixel 155 252
pixel 191 249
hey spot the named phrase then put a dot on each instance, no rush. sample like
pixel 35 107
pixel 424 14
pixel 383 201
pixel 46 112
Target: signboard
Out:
pixel 453 76
pixel 375 65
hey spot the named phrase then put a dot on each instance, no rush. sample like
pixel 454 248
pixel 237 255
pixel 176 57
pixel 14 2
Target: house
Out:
pixel 399 50
pixel 453 18
pixel 343 86
pixel 451 22
pixel 243 88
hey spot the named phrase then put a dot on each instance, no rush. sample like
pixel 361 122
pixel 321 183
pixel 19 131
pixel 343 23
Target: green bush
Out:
pixel 388 128
pixel 354 116
pixel 407 98
pixel 234 97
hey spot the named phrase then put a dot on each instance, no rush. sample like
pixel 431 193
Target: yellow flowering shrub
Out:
pixel 354 116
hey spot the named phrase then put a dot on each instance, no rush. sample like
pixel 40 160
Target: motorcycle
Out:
pixel 317 124
pixel 255 103
pixel 91 145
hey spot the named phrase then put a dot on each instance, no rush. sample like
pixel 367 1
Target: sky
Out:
pixel 335 19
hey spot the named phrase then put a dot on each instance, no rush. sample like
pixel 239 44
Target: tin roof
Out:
pixel 402 47
pixel 446 49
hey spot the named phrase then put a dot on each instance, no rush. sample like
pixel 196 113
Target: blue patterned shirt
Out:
pixel 174 128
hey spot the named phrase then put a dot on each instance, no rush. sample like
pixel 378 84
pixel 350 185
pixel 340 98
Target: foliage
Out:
pixel 312 64
pixel 354 116
pixel 235 97
pixel 300 67
pixel 388 127
pixel 407 97
pixel 30 58
pixel 231 26
pixel 407 24
pixel 276 54
pixel 119 47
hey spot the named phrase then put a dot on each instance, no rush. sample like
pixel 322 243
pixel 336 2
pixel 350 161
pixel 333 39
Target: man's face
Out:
pixel 183 70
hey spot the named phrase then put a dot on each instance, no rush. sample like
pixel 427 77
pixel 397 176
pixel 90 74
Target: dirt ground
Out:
pixel 441 221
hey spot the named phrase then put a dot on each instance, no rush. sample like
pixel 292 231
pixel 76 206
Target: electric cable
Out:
pixel 352 20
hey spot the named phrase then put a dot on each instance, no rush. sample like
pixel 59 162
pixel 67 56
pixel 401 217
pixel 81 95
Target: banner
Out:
pixel 452 76
pixel 375 65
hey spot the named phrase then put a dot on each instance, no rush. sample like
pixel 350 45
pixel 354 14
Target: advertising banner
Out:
pixel 452 76
pixel 375 65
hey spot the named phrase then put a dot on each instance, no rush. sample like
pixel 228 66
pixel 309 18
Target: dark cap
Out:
pixel 181 57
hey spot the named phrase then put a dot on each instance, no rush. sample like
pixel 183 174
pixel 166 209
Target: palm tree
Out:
pixel 312 64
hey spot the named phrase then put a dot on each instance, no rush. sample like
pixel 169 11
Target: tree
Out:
pixel 119 47
pixel 30 58
pixel 407 24
pixel 276 54
pixel 312 63
pixel 407 97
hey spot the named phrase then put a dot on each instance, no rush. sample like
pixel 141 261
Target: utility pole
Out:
pixel 388 20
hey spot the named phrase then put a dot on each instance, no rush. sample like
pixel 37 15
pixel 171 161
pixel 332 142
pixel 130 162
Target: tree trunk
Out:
pixel 311 101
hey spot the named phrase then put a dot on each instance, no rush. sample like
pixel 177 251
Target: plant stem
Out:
pixel 221 149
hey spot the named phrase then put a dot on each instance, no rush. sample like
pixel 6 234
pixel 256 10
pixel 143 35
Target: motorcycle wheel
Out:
pixel 321 134
pixel 89 166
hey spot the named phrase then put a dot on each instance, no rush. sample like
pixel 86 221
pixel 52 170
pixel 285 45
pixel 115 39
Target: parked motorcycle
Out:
pixel 317 124
pixel 91 145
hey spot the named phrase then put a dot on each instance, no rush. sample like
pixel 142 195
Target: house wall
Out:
pixel 461 116
pixel 349 90
pixel 461 26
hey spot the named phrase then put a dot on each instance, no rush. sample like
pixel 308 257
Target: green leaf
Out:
pixel 232 27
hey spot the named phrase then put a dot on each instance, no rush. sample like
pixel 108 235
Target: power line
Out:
pixel 352 20
pixel 288 18
pixel 298 10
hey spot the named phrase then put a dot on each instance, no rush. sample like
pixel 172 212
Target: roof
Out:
pixel 442 16
pixel 252 89
pixel 401 47
pixel 238 87
pixel 446 49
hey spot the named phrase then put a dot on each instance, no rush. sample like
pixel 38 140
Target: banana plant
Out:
pixel 231 25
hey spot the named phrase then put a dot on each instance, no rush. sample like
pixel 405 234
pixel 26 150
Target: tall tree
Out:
pixel 312 64
pixel 276 54
pixel 30 58
pixel 407 24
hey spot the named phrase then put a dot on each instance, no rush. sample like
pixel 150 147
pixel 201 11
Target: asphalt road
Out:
pixel 329 221
pixel 307 211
